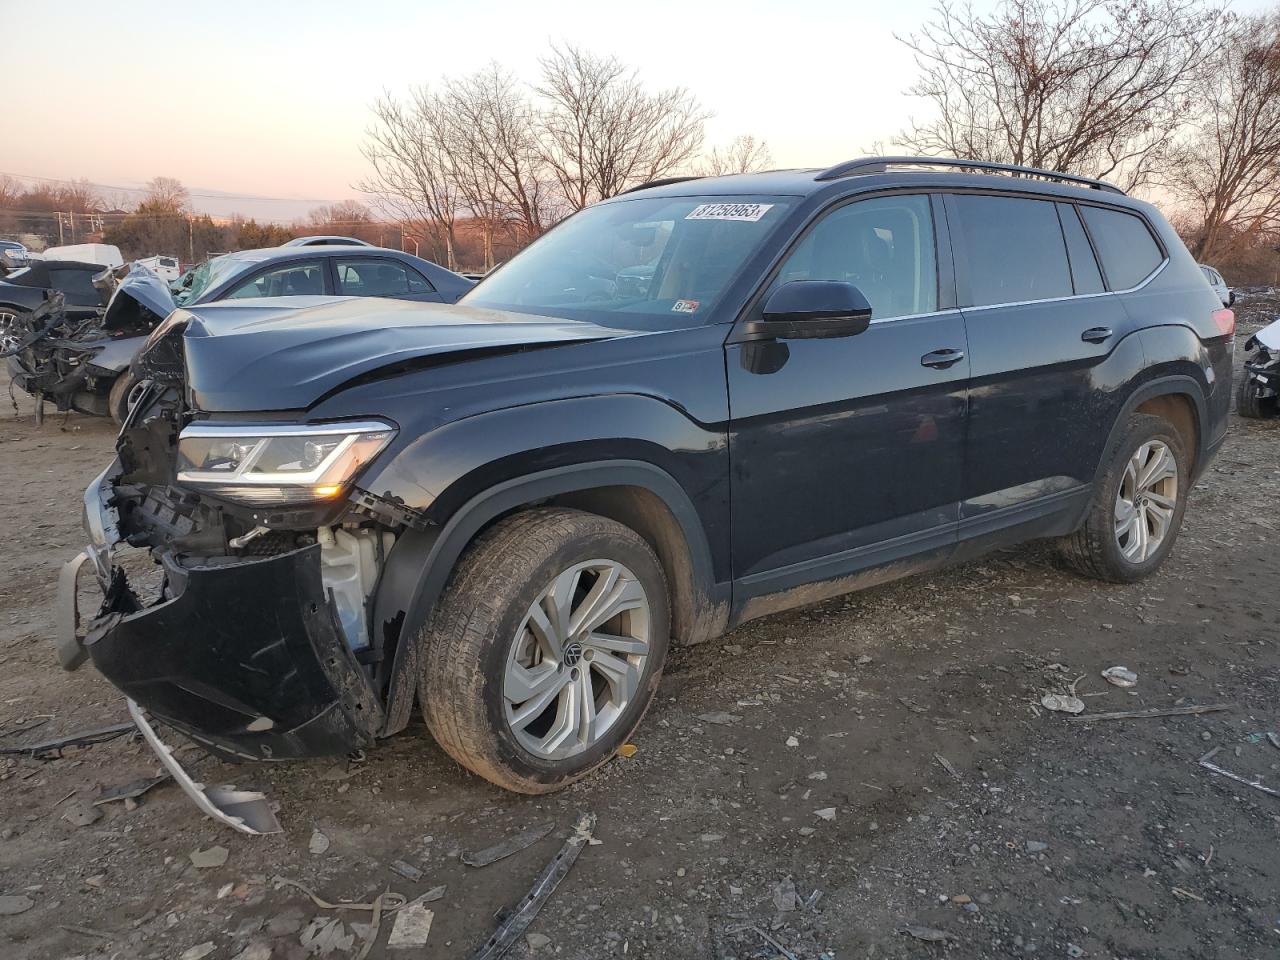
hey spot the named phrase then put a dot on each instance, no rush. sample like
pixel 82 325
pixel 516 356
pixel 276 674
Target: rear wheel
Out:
pixel 1250 404
pixel 546 648
pixel 118 399
pixel 1137 505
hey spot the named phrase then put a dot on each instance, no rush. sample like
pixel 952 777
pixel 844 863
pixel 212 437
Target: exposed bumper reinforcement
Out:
pixel 245 810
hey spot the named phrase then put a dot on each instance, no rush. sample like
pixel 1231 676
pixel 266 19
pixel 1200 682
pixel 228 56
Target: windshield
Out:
pixel 641 262
pixel 188 287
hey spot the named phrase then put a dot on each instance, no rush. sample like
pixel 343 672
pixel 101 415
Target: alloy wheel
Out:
pixel 576 661
pixel 8 331
pixel 1146 501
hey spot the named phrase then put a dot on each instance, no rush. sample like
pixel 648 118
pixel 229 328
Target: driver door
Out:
pixel 846 452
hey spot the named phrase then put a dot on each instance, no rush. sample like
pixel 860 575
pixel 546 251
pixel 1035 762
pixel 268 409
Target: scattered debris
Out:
pixel 406 870
pixel 325 935
pixel 389 901
pixel 1186 894
pixel 213 857
pixel 627 751
pixel 784 896
pixel 525 838
pixel 518 920
pixel 1036 846
pixel 818 775
pixel 285 923
pixel 12 904
pixel 1273 740
pixel 537 941
pixel 1120 677
pixel 52 749
pixel 1075 951
pixel 1061 703
pixel 719 718
pixel 255 951
pixel 1256 784
pixel 1159 712
pixel 927 934
pixel 826 813
pixel 412 926
pixel 131 790
pixel 319 843
pixel 774 943
pixel 81 814
pixel 792 742
pixel 198 952
pixel 87 932
pixel 947 765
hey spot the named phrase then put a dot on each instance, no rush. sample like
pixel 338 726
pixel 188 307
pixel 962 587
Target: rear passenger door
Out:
pixel 297 278
pixel 1043 333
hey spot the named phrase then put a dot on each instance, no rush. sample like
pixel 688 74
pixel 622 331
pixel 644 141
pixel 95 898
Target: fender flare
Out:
pixel 1180 384
pixel 421 561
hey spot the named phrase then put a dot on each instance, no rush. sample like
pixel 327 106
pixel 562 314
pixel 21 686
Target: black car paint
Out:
pixel 920 441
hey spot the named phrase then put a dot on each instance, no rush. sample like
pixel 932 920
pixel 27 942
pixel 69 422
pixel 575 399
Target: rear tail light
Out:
pixel 1225 321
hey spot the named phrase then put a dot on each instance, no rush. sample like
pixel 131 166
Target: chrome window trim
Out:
pixel 915 316
pixel 1075 296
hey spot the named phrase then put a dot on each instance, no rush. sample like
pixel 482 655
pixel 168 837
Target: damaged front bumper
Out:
pixel 244 655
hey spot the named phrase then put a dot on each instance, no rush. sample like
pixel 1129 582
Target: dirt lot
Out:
pixel 884 753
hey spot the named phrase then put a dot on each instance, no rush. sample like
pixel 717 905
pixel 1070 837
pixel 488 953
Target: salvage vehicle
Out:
pixel 507 510
pixel 24 290
pixel 86 366
pixel 1225 293
pixel 1259 392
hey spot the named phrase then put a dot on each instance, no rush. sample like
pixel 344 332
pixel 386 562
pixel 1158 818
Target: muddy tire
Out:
pixel 118 399
pixel 546 648
pixel 1137 505
pixel 1249 404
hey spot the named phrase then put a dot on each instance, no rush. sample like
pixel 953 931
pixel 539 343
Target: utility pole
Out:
pixel 191 240
pixel 59 228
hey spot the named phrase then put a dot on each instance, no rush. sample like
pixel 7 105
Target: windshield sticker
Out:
pixel 750 212
pixel 684 306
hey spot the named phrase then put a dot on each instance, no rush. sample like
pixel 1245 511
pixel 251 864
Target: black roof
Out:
pixel 36 273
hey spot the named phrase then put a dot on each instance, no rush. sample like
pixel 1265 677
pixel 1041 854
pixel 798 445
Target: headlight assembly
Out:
pixel 281 465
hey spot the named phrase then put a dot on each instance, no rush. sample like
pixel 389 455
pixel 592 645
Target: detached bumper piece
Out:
pixel 244 656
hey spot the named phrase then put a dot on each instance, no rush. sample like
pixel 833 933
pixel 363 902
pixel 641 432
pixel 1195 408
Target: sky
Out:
pixel 271 99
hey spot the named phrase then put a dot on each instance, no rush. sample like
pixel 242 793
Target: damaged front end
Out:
pixel 1260 390
pixel 245 624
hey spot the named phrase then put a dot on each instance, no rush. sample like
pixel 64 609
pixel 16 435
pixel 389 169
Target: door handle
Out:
pixel 941 359
pixel 1096 334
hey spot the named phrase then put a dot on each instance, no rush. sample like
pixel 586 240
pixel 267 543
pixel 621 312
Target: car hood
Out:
pixel 1269 336
pixel 258 355
pixel 139 302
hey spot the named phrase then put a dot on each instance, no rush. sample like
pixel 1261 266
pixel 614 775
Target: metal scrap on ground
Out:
pixel 1256 784
pixel 131 790
pixel 1156 712
pixel 86 738
pixel 525 838
pixel 518 921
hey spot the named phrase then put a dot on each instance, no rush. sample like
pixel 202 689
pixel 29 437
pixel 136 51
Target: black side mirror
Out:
pixel 812 308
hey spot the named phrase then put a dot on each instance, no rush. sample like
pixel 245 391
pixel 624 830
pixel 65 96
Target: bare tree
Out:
pixel 603 132
pixel 80 196
pixel 166 195
pixel 744 154
pixel 493 131
pixel 1096 87
pixel 407 146
pixel 1229 170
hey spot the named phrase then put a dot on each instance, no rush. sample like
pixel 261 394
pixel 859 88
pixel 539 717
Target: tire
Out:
pixel 118 399
pixel 1249 404
pixel 1096 549
pixel 481 644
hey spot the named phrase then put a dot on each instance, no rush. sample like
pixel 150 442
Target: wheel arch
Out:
pixel 1178 398
pixel 636 493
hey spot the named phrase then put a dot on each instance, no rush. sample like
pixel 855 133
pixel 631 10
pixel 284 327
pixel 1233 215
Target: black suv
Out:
pixel 697 403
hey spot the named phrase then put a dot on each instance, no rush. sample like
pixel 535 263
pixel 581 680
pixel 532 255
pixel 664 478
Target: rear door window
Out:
pixel 297 279
pixel 1084 265
pixel 369 277
pixel 1129 252
pixel 1010 249
pixel 883 245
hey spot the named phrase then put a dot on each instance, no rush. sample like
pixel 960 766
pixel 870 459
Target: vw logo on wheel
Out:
pixel 572 654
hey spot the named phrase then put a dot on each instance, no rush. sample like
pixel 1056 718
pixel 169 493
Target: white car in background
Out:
pixel 1225 293
pixel 167 269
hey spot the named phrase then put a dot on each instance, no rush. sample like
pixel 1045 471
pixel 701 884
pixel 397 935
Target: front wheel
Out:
pixel 1137 505
pixel 1249 402
pixel 546 648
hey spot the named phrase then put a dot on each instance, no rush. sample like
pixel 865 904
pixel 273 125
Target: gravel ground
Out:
pixel 842 780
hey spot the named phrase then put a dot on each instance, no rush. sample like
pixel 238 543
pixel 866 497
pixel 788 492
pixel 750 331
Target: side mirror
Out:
pixel 803 309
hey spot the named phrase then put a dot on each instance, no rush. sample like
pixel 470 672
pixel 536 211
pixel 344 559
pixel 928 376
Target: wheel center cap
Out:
pixel 572 653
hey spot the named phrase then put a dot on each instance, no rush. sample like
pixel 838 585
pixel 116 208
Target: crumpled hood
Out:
pixel 250 355
pixel 1269 336
pixel 140 301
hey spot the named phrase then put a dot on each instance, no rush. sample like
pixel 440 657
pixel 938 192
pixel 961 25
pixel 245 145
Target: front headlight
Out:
pixel 278 465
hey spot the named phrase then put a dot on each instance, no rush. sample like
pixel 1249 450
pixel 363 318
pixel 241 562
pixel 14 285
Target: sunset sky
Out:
pixel 271 99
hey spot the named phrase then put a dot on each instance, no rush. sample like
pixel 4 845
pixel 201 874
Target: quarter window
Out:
pixel 378 278
pixel 883 245
pixel 1129 253
pixel 290 280
pixel 1013 248
pixel 1084 266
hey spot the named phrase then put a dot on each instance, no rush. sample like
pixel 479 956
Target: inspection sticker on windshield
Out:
pixel 684 306
pixel 750 212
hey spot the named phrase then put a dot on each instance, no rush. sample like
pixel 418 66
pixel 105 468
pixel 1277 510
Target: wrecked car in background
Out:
pixel 1259 392
pixel 82 359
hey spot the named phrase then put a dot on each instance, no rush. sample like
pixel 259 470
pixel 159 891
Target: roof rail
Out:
pixel 665 181
pixel 868 165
